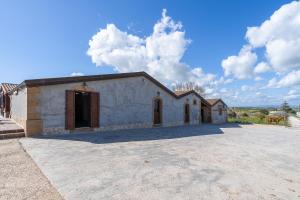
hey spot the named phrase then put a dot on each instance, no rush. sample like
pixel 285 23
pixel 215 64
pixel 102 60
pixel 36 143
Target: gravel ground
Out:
pixel 180 163
pixel 20 178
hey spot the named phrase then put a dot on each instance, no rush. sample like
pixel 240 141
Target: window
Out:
pixel 195 102
pixel 220 109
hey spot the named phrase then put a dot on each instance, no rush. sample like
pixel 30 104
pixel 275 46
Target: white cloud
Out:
pixel 284 23
pixel 223 90
pixel 272 83
pixel 289 80
pixel 283 54
pixel 159 54
pixel 77 74
pixel 262 67
pixel 292 95
pixel 291 92
pixel 258 78
pixel 280 35
pixel 240 66
pixel 245 88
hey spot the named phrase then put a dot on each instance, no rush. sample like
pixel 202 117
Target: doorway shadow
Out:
pixel 147 134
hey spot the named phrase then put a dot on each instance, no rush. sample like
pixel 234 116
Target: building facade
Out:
pixel 5 88
pixel 101 102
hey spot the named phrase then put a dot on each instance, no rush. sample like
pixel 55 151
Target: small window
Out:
pixel 220 109
pixel 195 102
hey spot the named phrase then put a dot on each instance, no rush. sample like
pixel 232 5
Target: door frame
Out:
pixel 189 113
pixel 160 113
pixel 70 121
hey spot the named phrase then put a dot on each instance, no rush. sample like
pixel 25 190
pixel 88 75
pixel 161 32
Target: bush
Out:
pixel 261 116
pixel 264 111
pixel 244 115
pixel 232 114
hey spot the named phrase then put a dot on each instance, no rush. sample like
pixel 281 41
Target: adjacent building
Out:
pixel 5 99
pixel 106 102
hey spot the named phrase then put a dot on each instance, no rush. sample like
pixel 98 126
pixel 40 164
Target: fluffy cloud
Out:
pixel 77 74
pixel 284 54
pixel 284 23
pixel 292 95
pixel 262 67
pixel 159 54
pixel 279 38
pixel 280 35
pixel 291 79
pixel 258 78
pixel 240 66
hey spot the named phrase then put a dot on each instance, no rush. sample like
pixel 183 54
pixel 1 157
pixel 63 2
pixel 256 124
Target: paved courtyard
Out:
pixel 196 162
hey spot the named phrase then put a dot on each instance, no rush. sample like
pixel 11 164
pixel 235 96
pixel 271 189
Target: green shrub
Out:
pixel 264 111
pixel 260 115
pixel 232 114
pixel 244 115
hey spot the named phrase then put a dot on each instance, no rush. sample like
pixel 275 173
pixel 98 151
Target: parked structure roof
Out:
pixel 6 87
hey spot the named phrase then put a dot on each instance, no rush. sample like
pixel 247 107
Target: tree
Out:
pixel 285 107
pixel 188 86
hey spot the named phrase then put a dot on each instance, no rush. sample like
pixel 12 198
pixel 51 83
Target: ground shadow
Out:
pixel 143 134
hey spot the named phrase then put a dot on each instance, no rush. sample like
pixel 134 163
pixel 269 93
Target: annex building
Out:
pixel 104 102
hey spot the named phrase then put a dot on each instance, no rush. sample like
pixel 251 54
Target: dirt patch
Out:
pixel 20 178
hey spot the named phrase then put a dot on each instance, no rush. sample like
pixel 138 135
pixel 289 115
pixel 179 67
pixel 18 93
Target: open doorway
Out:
pixel 205 113
pixel 82 109
pixel 187 113
pixel 157 112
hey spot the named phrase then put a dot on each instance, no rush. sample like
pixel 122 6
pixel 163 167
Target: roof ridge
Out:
pixel 71 79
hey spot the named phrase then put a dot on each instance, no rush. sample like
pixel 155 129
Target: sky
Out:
pixel 245 52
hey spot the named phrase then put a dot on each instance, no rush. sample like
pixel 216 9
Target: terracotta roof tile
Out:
pixel 212 101
pixel 8 86
pixel 178 93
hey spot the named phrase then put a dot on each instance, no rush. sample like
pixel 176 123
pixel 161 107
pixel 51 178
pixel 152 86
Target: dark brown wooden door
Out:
pixel 157 112
pixel 187 113
pixel 70 110
pixel 7 103
pixel 95 102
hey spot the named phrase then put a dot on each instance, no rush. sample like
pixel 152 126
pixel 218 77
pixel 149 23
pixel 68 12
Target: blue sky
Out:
pixel 51 38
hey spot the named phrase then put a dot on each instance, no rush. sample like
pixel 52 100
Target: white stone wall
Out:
pixel 216 118
pixel 18 109
pixel 124 103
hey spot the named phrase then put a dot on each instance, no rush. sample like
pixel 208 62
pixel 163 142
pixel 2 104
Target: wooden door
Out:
pixel 186 113
pixel 157 112
pixel 95 103
pixel 70 110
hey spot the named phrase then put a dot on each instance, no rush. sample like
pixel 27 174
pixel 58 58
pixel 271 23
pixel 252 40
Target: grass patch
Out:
pixel 253 120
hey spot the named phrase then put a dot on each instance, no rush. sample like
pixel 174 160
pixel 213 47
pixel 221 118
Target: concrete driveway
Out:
pixel 294 122
pixel 196 162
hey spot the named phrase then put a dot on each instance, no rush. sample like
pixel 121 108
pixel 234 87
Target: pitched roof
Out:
pixel 6 87
pixel 212 102
pixel 63 80
pixel 178 93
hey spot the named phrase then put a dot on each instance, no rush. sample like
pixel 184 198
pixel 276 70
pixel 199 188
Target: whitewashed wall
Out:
pixel 216 118
pixel 124 103
pixel 18 108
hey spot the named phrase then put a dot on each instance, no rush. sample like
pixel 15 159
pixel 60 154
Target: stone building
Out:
pixel 218 111
pixel 101 102
pixel 5 99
